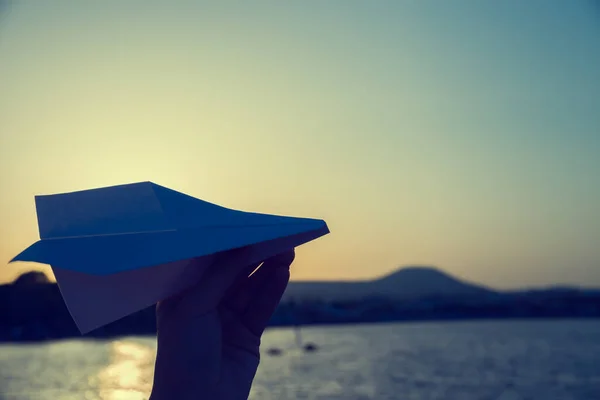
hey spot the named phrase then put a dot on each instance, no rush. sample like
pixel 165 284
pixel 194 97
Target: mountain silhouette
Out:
pixel 406 283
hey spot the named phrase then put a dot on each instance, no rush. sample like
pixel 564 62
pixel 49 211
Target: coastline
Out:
pixel 36 312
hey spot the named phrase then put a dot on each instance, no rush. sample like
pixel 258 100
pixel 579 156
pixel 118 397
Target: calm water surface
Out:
pixel 463 360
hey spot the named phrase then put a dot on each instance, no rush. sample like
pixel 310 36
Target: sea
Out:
pixel 487 360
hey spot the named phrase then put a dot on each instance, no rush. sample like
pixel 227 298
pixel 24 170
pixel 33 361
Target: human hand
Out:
pixel 209 336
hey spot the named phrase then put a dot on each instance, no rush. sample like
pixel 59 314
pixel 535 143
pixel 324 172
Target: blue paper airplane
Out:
pixel 118 249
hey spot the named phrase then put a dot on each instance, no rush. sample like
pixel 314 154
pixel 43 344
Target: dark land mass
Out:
pixel 32 309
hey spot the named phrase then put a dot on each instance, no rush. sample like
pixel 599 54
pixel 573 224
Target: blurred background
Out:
pixel 451 146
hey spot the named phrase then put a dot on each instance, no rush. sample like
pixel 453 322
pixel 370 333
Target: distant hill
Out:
pixel 32 278
pixel 406 283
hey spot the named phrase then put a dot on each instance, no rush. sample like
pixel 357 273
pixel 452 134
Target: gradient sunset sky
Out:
pixel 461 134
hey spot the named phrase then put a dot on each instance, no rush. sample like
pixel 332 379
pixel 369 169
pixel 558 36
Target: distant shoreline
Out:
pixel 95 337
pixel 32 309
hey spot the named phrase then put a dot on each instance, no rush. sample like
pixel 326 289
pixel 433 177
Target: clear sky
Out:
pixel 461 134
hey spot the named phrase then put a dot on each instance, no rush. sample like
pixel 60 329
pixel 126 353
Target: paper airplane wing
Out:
pixel 122 228
pixel 117 250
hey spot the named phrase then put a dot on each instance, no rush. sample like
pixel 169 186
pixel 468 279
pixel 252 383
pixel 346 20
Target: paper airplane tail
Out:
pixel 112 210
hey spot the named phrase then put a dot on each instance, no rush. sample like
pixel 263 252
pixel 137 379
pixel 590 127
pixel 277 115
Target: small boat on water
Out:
pixel 306 347
pixel 274 351
pixel 310 347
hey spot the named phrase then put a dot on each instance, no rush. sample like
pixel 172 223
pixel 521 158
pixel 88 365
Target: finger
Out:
pixel 239 285
pixel 261 307
pixel 238 299
pixel 284 259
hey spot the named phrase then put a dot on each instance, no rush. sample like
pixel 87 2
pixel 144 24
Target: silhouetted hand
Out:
pixel 209 336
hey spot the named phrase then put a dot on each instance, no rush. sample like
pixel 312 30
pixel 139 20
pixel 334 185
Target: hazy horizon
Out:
pixel 426 268
pixel 463 135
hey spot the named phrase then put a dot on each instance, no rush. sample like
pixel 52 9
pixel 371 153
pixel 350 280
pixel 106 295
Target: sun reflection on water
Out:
pixel 129 374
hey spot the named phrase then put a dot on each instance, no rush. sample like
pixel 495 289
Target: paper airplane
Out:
pixel 119 249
